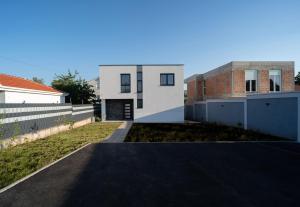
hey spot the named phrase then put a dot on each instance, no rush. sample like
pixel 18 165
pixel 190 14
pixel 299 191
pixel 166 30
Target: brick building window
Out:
pixel 275 80
pixel 204 87
pixel 251 80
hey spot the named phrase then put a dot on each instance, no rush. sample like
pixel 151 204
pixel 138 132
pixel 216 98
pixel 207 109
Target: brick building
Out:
pixel 239 78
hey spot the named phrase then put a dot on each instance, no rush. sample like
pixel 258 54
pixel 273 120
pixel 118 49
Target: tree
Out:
pixel 38 80
pixel 297 79
pixel 80 92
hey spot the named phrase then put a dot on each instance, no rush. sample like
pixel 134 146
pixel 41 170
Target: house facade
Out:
pixel 18 90
pixel 95 83
pixel 143 93
pixel 239 78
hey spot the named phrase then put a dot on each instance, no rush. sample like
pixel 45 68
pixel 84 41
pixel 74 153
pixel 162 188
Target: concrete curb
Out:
pixel 40 170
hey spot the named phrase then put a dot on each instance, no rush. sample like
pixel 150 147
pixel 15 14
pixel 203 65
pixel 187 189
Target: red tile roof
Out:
pixel 16 82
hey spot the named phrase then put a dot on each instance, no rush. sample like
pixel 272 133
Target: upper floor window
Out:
pixel 125 83
pixel 275 80
pixel 251 80
pixel 139 82
pixel 167 79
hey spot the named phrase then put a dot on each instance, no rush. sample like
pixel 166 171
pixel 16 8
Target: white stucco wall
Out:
pixel 160 103
pixel 2 96
pixel 21 97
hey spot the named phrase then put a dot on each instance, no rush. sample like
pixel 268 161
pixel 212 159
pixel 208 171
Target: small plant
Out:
pixel 97 119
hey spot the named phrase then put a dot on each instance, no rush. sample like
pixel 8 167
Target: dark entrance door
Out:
pixel 119 109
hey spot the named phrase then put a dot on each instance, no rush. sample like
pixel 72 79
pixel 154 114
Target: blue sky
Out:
pixel 41 38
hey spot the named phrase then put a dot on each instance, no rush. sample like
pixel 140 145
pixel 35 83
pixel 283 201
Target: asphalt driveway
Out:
pixel 137 174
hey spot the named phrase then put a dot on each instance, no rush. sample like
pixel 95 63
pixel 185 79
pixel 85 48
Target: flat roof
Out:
pixel 141 64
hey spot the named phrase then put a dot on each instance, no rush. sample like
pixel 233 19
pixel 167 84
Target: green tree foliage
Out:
pixel 297 79
pixel 80 92
pixel 38 80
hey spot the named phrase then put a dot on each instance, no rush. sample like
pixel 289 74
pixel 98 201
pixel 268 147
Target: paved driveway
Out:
pixel 204 174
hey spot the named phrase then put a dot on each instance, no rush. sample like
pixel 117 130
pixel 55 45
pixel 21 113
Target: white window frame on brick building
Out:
pixel 275 76
pixel 251 78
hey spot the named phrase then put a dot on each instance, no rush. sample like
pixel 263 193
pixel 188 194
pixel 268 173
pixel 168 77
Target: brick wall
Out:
pixel 199 87
pixel 238 82
pixel 229 80
pixel 263 81
pixel 288 83
pixel 191 86
pixel 218 85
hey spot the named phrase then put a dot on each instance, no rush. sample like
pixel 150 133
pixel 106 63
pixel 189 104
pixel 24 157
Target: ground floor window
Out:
pixel 139 103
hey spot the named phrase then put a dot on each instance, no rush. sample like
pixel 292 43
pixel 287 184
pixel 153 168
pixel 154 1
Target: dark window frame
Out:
pixel 139 80
pixel 125 88
pixel 167 79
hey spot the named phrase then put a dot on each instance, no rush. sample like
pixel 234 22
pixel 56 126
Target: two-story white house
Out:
pixel 143 93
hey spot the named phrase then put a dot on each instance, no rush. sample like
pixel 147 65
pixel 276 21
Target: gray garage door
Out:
pixel 119 109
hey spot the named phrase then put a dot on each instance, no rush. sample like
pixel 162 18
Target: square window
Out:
pixel 167 79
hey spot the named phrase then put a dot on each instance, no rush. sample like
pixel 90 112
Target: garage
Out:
pixel 119 109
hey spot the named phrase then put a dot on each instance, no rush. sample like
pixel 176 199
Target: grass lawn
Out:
pixel 21 160
pixel 192 132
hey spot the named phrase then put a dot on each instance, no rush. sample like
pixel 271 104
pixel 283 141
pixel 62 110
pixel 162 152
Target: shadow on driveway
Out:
pixel 196 174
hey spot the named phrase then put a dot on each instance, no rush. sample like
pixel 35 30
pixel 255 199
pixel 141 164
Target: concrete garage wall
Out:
pixel 33 121
pixel 200 112
pixel 226 112
pixel 273 113
pixel 276 116
pixel 189 112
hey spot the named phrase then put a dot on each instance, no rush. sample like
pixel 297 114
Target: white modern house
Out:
pixel 18 90
pixel 143 93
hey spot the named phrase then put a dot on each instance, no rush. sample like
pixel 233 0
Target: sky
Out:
pixel 44 38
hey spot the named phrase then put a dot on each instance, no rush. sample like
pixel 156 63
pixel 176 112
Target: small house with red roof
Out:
pixel 19 90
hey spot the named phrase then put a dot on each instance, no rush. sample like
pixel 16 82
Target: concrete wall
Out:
pixel 200 112
pixel 274 114
pixel 277 114
pixel 226 112
pixel 160 103
pixel 25 97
